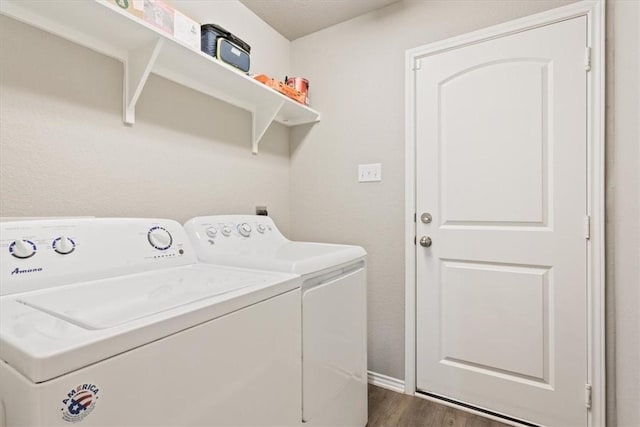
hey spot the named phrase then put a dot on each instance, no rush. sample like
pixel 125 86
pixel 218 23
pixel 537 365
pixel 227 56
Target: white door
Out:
pixel 501 167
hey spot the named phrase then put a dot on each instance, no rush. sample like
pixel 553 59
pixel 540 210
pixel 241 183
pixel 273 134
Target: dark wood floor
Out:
pixel 391 409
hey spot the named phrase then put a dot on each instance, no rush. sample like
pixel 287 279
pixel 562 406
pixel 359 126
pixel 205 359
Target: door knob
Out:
pixel 426 218
pixel 425 241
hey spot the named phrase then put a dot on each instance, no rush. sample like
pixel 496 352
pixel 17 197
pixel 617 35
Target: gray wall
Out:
pixel 623 211
pixel 356 71
pixel 65 151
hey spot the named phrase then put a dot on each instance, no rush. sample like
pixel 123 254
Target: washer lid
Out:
pixel 108 303
pixel 44 334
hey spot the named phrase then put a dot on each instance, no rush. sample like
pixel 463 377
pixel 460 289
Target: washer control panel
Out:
pixel 37 254
pixel 24 248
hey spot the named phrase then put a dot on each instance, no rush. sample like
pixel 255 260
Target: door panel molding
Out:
pixel 594 10
pixel 470 201
pixel 531 360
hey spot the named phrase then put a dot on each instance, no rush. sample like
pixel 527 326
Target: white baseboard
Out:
pixel 384 381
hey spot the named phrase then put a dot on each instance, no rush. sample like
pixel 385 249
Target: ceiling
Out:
pixel 296 18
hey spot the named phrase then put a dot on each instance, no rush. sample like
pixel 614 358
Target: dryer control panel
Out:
pixel 234 231
pixel 37 254
pixel 254 241
pixel 240 240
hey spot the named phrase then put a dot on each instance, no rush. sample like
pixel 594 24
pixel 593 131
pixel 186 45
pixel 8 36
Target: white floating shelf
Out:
pixel 143 49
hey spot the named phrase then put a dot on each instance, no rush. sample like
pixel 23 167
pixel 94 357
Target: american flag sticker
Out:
pixel 79 402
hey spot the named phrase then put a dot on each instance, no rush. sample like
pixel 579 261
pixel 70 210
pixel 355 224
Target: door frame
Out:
pixel 594 10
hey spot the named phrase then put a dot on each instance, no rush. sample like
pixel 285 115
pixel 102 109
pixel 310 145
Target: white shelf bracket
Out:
pixel 262 117
pixel 136 71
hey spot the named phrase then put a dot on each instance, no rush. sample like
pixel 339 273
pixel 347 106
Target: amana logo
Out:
pixel 28 270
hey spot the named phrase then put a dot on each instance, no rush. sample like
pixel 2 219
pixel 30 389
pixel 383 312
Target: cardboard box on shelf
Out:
pixel 162 15
pixel 134 7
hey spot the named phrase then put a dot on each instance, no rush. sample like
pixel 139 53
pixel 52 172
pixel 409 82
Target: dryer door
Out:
pixel 334 351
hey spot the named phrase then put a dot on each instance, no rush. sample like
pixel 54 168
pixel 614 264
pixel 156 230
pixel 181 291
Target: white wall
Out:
pixel 65 151
pixel 356 71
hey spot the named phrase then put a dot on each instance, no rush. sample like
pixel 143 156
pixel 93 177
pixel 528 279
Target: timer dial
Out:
pixel 64 245
pixel 261 228
pixel 160 238
pixel 226 230
pixel 244 229
pixel 22 249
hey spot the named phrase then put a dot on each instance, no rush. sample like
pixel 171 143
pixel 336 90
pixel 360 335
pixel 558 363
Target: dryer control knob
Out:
pixel 226 230
pixel 261 228
pixel 22 249
pixel 212 232
pixel 160 238
pixel 244 229
pixel 63 245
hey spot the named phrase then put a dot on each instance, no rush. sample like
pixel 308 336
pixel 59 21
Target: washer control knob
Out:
pixel 244 229
pixel 261 228
pixel 226 230
pixel 22 249
pixel 160 238
pixel 63 245
pixel 212 232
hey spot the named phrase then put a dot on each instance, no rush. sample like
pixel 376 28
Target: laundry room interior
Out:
pixel 83 137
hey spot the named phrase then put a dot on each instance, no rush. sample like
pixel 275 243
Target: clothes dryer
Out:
pixel 334 346
pixel 111 322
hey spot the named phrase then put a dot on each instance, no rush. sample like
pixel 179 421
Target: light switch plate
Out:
pixel 370 172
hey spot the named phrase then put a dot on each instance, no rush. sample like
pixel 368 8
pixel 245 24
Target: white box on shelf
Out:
pixel 186 30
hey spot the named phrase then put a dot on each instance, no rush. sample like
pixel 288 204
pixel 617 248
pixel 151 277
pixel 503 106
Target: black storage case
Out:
pixel 231 54
pixel 209 37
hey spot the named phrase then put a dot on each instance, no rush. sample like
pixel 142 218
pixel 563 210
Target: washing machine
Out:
pixel 334 347
pixel 112 322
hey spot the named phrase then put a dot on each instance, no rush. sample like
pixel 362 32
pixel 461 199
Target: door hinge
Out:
pixel 587 396
pixel 587 227
pixel 587 59
pixel 415 217
pixel 415 240
pixel 417 64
